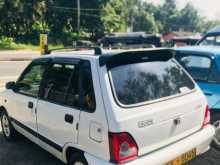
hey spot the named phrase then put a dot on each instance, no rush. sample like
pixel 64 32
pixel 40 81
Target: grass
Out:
pixel 18 46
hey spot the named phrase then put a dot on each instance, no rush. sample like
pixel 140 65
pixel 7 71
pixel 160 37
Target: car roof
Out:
pixel 212 50
pixel 90 54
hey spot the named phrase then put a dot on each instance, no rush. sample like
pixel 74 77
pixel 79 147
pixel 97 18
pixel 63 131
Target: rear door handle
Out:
pixel 30 105
pixel 69 118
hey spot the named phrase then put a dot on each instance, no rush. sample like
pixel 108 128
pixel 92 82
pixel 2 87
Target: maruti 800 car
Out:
pixel 203 63
pixel 136 107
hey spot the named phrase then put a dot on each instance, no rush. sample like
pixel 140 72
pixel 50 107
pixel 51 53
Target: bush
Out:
pixel 6 42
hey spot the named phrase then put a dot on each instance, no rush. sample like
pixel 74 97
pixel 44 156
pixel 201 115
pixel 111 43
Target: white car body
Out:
pixel 151 125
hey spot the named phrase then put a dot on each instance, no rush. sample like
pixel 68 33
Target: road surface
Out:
pixel 18 55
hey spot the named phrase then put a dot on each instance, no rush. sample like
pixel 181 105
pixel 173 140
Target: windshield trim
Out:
pixel 125 106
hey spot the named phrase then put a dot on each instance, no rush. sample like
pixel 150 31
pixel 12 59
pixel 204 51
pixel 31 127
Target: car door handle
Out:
pixel 69 118
pixel 30 105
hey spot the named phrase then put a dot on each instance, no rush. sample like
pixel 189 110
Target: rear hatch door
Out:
pixel 158 101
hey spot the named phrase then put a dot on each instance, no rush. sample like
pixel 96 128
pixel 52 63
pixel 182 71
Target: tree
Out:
pixel 122 15
pixel 189 19
pixel 23 20
pixel 145 22
pixel 168 15
pixel 114 16
pixel 209 25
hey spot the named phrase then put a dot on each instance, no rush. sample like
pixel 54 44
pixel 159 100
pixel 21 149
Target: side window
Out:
pixel 197 66
pixel 214 75
pixel 73 97
pixel 68 85
pixel 196 61
pixel 30 81
pixel 88 95
pixel 57 82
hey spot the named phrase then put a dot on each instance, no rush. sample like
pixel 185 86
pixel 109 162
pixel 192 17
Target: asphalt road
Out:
pixel 24 152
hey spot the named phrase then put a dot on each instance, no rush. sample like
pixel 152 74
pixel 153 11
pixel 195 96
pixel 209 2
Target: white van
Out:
pixel 128 107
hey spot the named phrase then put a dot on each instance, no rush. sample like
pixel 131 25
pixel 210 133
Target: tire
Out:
pixel 77 159
pixel 9 133
pixel 216 123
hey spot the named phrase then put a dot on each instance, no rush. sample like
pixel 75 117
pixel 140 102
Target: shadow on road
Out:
pixel 24 152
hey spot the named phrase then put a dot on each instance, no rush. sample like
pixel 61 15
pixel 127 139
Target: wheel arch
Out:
pixel 2 109
pixel 68 150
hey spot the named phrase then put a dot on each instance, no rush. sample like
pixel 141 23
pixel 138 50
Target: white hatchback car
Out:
pixel 129 107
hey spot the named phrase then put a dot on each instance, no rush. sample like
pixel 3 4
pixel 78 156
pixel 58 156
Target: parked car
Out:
pixel 127 107
pixel 203 63
pixel 133 39
pixel 211 38
pixel 182 41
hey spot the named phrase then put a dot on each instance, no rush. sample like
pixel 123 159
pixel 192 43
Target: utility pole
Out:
pixel 78 17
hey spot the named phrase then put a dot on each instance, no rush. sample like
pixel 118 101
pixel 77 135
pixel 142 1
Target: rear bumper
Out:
pixel 200 140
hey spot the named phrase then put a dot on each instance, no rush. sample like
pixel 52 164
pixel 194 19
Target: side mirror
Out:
pixel 10 85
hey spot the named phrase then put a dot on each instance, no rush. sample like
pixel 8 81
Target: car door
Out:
pixel 58 107
pixel 23 98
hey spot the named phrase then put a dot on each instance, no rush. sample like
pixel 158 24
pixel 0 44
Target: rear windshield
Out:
pixel 141 82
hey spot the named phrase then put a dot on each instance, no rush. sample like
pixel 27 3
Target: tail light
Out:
pixel 206 120
pixel 122 147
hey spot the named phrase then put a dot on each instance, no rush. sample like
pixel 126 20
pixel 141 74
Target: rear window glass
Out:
pixel 197 66
pixel 147 81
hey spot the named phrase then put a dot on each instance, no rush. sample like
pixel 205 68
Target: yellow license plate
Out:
pixel 183 158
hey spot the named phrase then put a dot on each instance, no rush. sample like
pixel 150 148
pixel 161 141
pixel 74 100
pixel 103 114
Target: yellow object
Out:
pixel 43 44
pixel 183 159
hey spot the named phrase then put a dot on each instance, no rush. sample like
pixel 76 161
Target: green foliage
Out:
pixel 143 16
pixel 9 43
pixel 24 20
pixel 4 41
pixel 113 16
pixel 145 22
pixel 189 19
pixel 41 27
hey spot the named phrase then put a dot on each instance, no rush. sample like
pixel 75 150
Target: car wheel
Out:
pixel 216 124
pixel 8 130
pixel 77 159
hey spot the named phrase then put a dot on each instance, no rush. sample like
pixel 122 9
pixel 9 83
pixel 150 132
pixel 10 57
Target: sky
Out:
pixel 207 8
